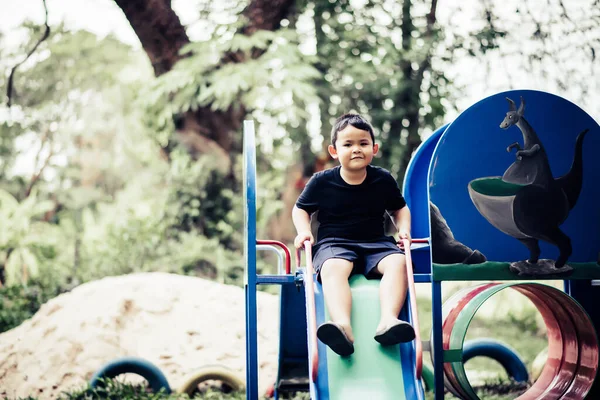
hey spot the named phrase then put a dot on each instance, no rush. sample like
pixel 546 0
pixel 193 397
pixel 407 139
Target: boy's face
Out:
pixel 354 148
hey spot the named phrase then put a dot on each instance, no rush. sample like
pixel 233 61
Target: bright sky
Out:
pixel 98 16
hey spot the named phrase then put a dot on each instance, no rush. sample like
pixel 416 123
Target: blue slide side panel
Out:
pixel 322 386
pixel 415 188
pixel 413 389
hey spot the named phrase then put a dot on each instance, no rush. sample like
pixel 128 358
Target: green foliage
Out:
pixel 156 225
pixel 280 79
pixel 199 191
pixel 78 61
pixel 115 390
pixel 376 59
pixel 525 321
pixel 500 388
pixel 22 235
pixel 112 204
pixel 18 303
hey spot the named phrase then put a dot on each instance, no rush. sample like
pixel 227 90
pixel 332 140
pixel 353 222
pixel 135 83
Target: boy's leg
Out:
pixel 392 294
pixel 392 290
pixel 334 276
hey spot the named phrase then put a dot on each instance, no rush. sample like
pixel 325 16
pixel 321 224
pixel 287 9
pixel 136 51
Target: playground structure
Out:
pixel 454 173
pixel 523 218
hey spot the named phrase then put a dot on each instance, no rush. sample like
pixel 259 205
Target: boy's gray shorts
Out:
pixel 364 254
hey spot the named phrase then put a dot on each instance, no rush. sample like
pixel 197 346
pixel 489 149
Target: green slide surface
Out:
pixel 373 371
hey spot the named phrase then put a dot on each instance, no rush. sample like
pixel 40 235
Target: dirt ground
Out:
pixel 176 322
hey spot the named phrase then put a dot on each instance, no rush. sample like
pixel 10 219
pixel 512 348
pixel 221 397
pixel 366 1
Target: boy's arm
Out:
pixel 301 221
pixel 402 219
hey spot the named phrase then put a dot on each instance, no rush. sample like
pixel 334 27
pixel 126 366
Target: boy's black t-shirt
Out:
pixel 347 211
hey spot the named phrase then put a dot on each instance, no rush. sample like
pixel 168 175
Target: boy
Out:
pixel 352 200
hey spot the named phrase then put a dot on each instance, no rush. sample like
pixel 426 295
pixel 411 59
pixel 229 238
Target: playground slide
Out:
pixel 372 371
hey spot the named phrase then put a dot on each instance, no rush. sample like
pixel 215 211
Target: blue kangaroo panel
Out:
pixel 516 177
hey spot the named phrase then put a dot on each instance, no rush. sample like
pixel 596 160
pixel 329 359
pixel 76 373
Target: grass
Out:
pixel 119 391
pixel 115 390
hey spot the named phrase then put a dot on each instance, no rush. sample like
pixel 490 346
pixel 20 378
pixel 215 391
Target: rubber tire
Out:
pixel 156 379
pixel 212 372
pixel 494 349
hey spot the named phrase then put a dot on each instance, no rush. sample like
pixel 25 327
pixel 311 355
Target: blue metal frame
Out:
pixel 422 278
pixel 416 192
pixel 437 350
pixel 428 148
pixel 250 258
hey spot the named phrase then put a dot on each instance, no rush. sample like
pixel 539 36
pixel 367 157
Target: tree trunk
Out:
pixel 266 14
pixel 414 139
pixel 159 29
pixel 280 226
pixel 3 267
pixel 409 97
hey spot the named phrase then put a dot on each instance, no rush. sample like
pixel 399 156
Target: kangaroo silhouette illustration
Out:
pixel 535 206
pixel 532 164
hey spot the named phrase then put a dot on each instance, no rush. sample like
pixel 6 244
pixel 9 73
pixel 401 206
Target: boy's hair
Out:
pixel 355 120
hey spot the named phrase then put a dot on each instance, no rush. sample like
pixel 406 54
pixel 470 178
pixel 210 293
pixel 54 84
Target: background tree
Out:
pixel 203 129
pixel 376 59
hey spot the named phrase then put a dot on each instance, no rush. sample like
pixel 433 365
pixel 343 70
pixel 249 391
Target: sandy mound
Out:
pixel 178 323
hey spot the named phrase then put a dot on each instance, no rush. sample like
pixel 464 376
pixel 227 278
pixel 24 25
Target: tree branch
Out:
pixel 265 14
pixel 564 13
pixel 431 17
pixel 413 140
pixel 159 30
pixel 9 88
pixel 36 175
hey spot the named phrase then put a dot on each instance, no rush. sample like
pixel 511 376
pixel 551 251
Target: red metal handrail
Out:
pixel 311 308
pixel 420 240
pixel 413 302
pixel 288 254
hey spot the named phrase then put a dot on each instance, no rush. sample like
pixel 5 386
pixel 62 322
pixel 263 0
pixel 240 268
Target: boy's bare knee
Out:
pixel 392 262
pixel 336 268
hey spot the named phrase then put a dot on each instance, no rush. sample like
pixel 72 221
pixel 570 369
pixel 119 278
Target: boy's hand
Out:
pixel 302 237
pixel 403 234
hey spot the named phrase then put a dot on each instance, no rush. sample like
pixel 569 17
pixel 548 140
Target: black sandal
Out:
pixel 334 336
pixel 401 332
